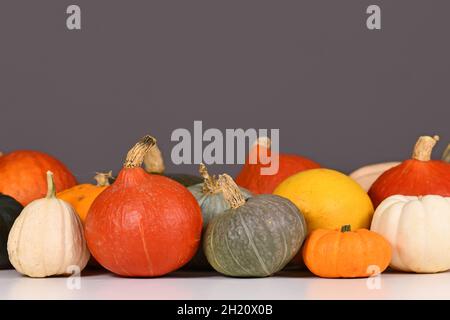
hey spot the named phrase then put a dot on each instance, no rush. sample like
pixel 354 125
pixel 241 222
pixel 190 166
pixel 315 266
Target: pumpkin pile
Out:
pixel 147 223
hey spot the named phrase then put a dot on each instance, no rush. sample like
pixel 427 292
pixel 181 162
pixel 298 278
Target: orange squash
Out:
pixel 23 175
pixel 82 196
pixel 251 178
pixel 346 254
pixel 418 176
pixel 143 225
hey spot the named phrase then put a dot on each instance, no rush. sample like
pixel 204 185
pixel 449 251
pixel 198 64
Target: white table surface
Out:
pixel 195 285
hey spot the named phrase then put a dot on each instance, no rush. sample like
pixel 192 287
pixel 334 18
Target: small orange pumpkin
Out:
pixel 82 196
pixel 346 254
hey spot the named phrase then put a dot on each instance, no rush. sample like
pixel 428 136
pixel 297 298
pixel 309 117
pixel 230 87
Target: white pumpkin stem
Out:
pixel 135 156
pixel 210 183
pixel 231 191
pixel 51 189
pixel 424 148
pixel 102 178
pixel 154 161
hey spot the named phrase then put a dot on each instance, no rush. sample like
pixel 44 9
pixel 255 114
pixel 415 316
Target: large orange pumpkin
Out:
pixel 346 254
pixel 418 176
pixel 83 195
pixel 251 178
pixel 23 175
pixel 143 225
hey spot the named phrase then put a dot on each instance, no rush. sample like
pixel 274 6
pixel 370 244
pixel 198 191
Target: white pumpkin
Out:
pixel 47 238
pixel 366 176
pixel 418 229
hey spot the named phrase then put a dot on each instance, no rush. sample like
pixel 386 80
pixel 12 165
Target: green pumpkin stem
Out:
pixel 446 155
pixel 424 147
pixel 51 189
pixel 135 156
pixel 210 183
pixel 346 228
pixel 231 191
pixel 102 178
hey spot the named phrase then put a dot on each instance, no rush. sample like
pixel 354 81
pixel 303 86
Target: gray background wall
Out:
pixel 340 94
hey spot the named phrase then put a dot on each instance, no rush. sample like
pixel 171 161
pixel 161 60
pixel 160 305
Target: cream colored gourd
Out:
pixel 366 176
pixel 418 229
pixel 47 238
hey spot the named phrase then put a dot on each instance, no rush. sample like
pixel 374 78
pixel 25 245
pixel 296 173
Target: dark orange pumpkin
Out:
pixel 251 178
pixel 23 175
pixel 144 225
pixel 414 177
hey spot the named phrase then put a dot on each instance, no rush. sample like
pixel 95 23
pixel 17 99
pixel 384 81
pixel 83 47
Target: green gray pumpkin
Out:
pixel 256 237
pixel 446 154
pixel 9 211
pixel 210 198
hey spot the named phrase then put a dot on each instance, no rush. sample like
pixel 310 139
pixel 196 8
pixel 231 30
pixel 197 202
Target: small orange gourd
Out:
pixel 82 196
pixel 346 254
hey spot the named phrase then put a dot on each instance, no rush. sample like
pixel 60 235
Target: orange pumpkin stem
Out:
pixel 103 178
pixel 135 156
pixel 424 147
pixel 346 228
pixel 51 190
pixel 231 191
pixel 210 183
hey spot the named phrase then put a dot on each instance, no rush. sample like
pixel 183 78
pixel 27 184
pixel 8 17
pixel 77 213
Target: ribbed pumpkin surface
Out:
pixel 256 239
pixel 336 254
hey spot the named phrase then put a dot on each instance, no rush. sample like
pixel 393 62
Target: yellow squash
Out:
pixel 328 199
pixel 82 196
